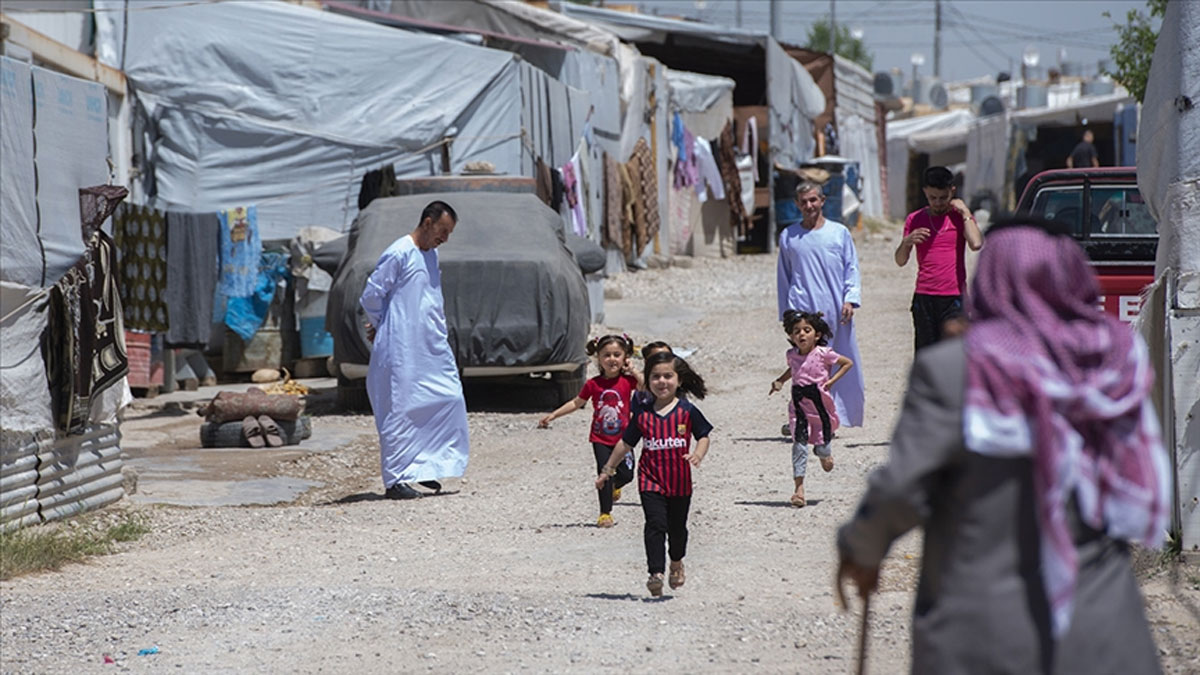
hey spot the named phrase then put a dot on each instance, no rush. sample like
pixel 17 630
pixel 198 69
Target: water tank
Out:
pixel 938 96
pixel 981 91
pixel 885 85
pixel 1097 87
pixel 1071 68
pixel 1032 96
pixel 992 105
pixel 924 89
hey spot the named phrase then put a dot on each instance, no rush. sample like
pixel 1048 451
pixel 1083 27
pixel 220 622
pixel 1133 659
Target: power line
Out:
pixel 1003 54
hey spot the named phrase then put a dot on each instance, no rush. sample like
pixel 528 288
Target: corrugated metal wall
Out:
pixel 48 480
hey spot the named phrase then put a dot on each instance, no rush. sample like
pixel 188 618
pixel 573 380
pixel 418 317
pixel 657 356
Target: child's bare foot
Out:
pixel 798 500
pixel 654 584
pixel 827 463
pixel 676 577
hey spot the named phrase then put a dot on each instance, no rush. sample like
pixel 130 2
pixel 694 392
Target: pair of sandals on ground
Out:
pixel 262 431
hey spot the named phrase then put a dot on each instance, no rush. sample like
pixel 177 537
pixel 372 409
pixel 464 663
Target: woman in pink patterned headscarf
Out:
pixel 1030 453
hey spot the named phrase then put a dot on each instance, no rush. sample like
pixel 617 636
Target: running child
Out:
pixel 610 393
pixel 809 364
pixel 668 426
pixel 642 397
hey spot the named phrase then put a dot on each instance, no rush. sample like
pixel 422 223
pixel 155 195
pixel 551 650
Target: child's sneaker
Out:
pixel 616 494
pixel 676 577
pixel 654 584
pixel 605 520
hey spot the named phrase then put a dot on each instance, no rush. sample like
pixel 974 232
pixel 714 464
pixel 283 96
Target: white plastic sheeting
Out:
pixel 1169 179
pixel 856 122
pixel 987 154
pixel 286 107
pixel 794 101
pixel 694 92
pixel 55 141
pixel 1169 141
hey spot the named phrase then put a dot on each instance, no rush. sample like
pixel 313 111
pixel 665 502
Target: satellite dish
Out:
pixel 885 85
pixel 1030 56
pixel 938 97
pixel 991 105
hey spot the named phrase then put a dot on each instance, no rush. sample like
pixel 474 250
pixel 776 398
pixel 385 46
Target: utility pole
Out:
pixel 737 7
pixel 832 28
pixel 937 38
pixel 776 19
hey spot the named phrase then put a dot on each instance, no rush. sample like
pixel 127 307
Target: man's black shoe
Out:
pixel 431 484
pixel 401 491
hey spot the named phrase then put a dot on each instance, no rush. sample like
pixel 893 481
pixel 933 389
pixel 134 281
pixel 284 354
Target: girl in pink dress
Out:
pixel 810 361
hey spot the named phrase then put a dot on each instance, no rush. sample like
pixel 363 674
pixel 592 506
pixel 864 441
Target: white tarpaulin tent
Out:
pixel 286 107
pixel 1169 179
pixel 854 109
pixel 930 134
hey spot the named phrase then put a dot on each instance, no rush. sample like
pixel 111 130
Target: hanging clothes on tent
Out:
pixel 84 343
pixel 557 191
pixel 726 157
pixel 710 178
pixel 630 206
pixel 240 251
pixel 543 183
pixel 192 260
pixel 245 315
pixel 140 236
pixel 686 171
pixel 613 211
pixel 575 196
pixel 642 169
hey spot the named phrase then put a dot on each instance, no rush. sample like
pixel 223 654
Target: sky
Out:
pixel 979 37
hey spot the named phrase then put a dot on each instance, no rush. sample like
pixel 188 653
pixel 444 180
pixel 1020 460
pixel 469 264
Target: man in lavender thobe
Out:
pixel 818 272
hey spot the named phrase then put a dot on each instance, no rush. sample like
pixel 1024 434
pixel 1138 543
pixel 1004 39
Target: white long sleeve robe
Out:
pixel 413 379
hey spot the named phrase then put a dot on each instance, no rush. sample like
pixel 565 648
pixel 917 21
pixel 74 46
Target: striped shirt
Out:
pixel 668 437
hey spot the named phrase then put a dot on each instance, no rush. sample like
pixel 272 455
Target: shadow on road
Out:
pixel 876 444
pixel 379 496
pixel 764 439
pixel 811 502
pixel 625 596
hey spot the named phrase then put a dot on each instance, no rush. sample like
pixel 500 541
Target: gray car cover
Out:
pixel 514 294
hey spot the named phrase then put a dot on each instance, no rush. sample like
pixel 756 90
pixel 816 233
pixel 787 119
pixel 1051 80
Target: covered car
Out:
pixel 516 303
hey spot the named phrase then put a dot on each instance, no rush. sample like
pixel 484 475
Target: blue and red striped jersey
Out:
pixel 668 437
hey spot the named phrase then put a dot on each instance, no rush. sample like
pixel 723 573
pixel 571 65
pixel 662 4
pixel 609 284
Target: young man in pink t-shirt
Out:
pixel 939 233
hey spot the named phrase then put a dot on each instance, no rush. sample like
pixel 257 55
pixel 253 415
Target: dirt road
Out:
pixel 508 572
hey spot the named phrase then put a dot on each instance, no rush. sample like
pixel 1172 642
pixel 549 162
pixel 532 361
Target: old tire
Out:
pixel 568 385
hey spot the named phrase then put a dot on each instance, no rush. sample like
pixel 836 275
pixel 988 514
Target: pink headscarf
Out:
pixel 1051 377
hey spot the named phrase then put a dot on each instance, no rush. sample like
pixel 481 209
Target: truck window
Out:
pixel 1063 205
pixel 1120 211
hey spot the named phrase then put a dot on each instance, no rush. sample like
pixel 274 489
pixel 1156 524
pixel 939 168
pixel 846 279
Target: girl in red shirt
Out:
pixel 610 393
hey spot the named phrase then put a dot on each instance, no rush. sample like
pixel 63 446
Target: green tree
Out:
pixel 1135 47
pixel 846 45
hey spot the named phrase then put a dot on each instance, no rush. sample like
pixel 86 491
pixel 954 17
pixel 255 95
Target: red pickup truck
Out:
pixel 1118 233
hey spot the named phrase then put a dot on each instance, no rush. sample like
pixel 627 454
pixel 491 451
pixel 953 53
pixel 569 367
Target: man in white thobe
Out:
pixel 413 379
pixel 818 272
